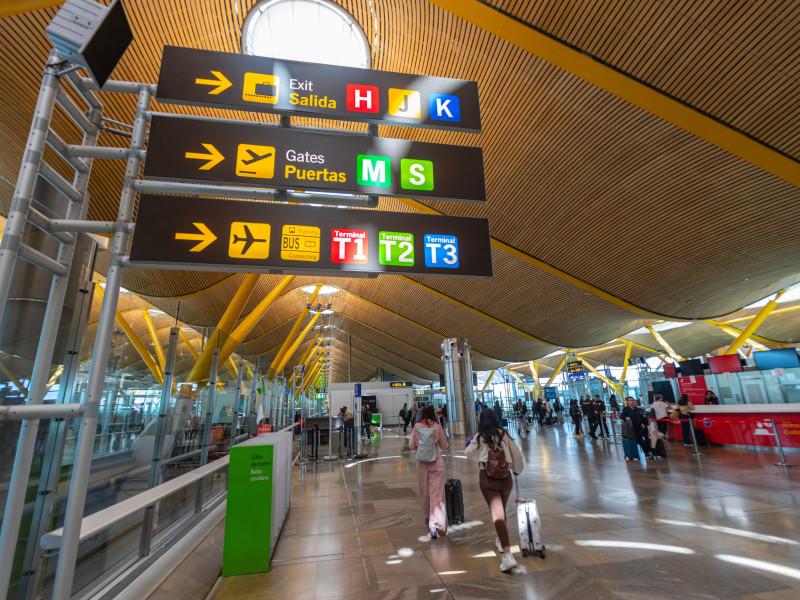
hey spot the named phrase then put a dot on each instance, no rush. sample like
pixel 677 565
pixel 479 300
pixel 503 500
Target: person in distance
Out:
pixel 426 436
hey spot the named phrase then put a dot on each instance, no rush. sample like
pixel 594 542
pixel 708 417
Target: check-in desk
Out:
pixel 745 424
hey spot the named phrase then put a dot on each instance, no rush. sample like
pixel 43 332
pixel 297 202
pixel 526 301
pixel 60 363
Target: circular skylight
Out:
pixel 314 31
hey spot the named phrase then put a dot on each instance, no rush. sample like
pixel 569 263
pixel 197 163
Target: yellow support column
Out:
pixel 295 328
pixel 137 344
pixel 162 359
pixel 648 348
pixel 296 342
pixel 189 344
pixel 757 320
pixel 488 381
pixel 753 340
pixel 664 344
pixel 203 366
pixel 244 328
pixel 517 377
pixel 625 367
pixel 560 366
pixel 10 376
pixel 308 352
pixel 600 375
pixel 535 372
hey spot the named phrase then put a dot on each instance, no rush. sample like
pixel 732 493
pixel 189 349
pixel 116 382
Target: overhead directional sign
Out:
pixel 192 149
pixel 177 232
pixel 255 83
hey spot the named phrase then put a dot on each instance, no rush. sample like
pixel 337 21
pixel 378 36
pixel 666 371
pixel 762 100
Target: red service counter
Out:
pixel 745 424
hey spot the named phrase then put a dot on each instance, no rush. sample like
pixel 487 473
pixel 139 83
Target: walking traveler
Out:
pixel 661 410
pixel 426 436
pixel 587 407
pixel 498 410
pixel 405 414
pixel 366 418
pixel 497 456
pixel 685 408
pixel 613 404
pixel 633 413
pixel 557 409
pixel 599 409
pixel 575 414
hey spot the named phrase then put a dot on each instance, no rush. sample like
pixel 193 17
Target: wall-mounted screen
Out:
pixel 693 366
pixel 727 363
pixel 669 371
pixel 785 358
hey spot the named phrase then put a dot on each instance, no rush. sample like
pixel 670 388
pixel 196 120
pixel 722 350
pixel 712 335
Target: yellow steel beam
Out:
pixel 628 348
pixel 244 328
pixel 186 341
pixel 625 87
pixel 137 344
pixel 12 378
pixel 601 376
pixel 293 332
pixel 517 377
pixel 753 325
pixel 602 349
pixel 557 370
pixel 735 333
pixel 311 346
pixel 648 348
pixel 234 371
pixel 162 359
pixel 774 312
pixel 489 380
pixel 729 328
pixel 664 344
pixel 535 373
pixel 15 7
pixel 203 366
pixel 288 354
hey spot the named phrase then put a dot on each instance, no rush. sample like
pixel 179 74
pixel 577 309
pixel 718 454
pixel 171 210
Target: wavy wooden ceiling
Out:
pixel 577 178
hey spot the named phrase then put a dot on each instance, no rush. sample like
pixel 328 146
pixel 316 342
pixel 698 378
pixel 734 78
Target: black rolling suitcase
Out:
pixel 454 499
pixel 660 451
pixel 700 436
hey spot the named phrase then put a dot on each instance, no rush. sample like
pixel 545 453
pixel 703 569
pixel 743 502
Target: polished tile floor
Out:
pixel 724 525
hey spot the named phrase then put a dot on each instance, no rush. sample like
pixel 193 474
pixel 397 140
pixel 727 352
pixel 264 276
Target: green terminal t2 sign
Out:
pixel 238 81
pixel 174 232
pixel 261 155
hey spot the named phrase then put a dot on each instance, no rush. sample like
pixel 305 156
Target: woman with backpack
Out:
pixel 497 456
pixel 426 435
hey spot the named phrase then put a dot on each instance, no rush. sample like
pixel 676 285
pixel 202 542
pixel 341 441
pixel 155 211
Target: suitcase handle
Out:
pixel 516 486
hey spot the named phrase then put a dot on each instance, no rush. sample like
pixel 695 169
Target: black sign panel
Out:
pixel 261 84
pixel 262 237
pixel 575 369
pixel 257 154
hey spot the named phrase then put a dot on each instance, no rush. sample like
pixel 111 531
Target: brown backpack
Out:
pixel 496 465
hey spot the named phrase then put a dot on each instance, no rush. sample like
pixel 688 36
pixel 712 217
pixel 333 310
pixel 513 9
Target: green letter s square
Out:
pixel 416 174
pixel 374 170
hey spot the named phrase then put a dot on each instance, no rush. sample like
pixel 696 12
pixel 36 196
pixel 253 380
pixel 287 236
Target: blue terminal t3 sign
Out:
pixel 238 81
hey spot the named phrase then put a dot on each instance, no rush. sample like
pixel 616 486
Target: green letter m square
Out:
pixel 374 170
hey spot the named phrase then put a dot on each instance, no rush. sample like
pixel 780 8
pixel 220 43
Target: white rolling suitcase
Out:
pixel 530 527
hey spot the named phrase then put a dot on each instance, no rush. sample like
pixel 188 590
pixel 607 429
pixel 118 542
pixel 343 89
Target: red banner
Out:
pixel 694 387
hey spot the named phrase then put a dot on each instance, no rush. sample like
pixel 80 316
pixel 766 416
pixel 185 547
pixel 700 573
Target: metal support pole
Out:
pixel 23 194
pixel 237 394
pixel 44 356
pixel 210 401
pixel 694 439
pixel 68 552
pixel 610 425
pixel 21 412
pixel 158 445
pixel 783 462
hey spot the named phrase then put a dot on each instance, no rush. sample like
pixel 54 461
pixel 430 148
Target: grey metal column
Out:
pixel 458 382
pixel 236 399
pixel 210 401
pixel 41 373
pixel 68 551
pixel 23 193
pixel 32 567
pixel 161 432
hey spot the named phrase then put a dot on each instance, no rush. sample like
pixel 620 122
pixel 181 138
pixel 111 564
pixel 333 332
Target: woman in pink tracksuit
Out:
pixel 425 437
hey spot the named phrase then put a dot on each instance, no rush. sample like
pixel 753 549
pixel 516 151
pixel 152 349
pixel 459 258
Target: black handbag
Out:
pixel 627 430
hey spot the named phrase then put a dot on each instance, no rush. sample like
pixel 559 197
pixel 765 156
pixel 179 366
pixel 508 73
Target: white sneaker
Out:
pixel 498 545
pixel 507 563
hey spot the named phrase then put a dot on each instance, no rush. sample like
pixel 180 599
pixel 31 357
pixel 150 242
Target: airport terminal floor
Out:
pixel 723 525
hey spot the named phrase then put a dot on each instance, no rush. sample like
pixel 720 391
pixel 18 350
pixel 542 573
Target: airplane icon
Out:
pixel 249 240
pixel 255 157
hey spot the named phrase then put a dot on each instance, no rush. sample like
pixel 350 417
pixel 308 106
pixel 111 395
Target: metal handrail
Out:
pixel 103 519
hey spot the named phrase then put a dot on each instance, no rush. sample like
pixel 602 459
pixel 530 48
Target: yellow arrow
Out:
pixel 205 238
pixel 214 157
pixel 221 82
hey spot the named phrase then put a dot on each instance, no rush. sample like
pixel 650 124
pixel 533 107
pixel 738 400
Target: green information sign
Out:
pixel 249 511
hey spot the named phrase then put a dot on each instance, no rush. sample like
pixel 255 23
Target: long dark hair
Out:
pixel 490 431
pixel 684 400
pixel 427 414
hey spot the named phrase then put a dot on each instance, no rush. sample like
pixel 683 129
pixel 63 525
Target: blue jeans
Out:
pixel 685 429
